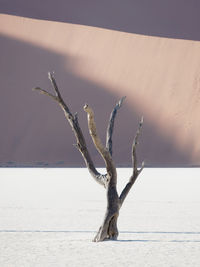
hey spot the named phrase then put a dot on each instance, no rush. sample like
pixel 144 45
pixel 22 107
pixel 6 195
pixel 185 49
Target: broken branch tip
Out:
pixel 36 88
pixel 85 107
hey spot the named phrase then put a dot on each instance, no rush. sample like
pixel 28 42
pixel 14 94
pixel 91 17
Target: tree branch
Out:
pixel 111 170
pixel 136 171
pixel 111 125
pixel 134 145
pixel 53 82
pixel 45 93
pixel 73 121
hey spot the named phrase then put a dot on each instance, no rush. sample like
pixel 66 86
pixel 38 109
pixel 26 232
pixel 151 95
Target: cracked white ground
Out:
pixel 48 217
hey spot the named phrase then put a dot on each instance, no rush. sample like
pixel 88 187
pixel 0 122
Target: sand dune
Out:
pixel 173 19
pixel 160 77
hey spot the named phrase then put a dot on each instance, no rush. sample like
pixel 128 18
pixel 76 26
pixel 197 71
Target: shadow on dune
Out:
pixel 34 129
pixel 173 19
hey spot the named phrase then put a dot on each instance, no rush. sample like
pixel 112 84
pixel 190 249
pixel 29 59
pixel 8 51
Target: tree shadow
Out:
pixel 159 241
pixel 160 232
pixel 163 240
pixel 119 240
pixel 173 19
pixel 34 129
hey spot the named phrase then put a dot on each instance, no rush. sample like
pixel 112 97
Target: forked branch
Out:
pixel 108 229
pixel 136 171
pixel 110 167
pixel 73 120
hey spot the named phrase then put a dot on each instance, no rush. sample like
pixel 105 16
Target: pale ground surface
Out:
pixel 48 217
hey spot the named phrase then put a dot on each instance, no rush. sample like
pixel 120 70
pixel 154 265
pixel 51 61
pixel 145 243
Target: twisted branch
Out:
pixel 110 167
pixel 73 121
pixel 108 229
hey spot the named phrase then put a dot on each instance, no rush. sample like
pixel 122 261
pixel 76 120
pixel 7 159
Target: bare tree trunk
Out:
pixel 108 230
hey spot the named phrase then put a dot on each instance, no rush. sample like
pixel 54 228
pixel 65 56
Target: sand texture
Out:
pixel 46 220
pixel 98 63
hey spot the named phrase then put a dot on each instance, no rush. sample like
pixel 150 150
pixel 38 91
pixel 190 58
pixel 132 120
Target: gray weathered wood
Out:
pixel 136 171
pixel 108 230
pixel 73 121
pixel 111 125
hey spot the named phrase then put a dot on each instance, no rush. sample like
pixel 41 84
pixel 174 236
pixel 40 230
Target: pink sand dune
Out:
pixel 159 76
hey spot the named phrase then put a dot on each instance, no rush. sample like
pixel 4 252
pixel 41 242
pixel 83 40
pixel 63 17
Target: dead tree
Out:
pixel 108 230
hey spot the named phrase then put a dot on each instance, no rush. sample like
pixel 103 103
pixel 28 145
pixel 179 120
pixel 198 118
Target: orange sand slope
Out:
pixel 159 76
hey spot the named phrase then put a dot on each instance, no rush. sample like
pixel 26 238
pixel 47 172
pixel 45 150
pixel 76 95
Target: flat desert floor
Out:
pixel 48 218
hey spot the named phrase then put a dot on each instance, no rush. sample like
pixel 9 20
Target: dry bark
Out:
pixel 108 230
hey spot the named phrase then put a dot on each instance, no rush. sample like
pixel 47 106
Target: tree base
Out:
pixel 108 231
